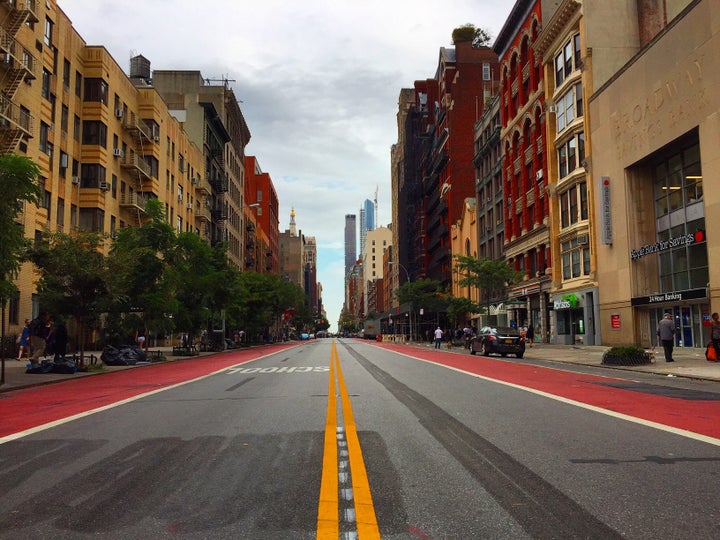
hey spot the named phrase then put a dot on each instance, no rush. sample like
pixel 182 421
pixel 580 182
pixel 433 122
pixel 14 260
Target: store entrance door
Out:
pixel 688 323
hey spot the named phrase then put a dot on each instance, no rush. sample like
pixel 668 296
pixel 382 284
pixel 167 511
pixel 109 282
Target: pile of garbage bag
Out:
pixel 127 355
pixel 48 366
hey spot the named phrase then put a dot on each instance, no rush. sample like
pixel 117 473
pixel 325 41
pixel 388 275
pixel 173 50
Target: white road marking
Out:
pixel 607 412
pixel 61 421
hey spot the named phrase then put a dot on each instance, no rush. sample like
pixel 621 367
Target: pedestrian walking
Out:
pixel 530 335
pixel 140 338
pixel 40 330
pixel 23 341
pixel 666 335
pixel 438 337
pixel 715 332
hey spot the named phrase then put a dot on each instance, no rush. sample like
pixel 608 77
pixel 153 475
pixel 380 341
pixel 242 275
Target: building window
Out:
pixel 78 84
pixel 569 107
pixel 45 89
pixel 573 205
pixel 14 309
pixel 92 219
pixel 91 174
pixel 567 60
pixel 678 187
pixel 571 155
pixel 66 74
pixel 94 132
pixel 575 259
pixel 48 31
pixel 486 71
pixel 96 90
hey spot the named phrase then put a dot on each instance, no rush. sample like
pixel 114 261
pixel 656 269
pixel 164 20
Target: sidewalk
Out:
pixel 16 378
pixel 689 363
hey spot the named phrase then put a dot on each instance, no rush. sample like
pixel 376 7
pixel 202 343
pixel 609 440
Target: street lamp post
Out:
pixel 407 276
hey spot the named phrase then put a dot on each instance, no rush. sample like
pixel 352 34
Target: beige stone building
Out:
pixel 464 236
pixel 209 113
pixel 377 242
pixel 655 131
pixel 104 142
pixel 573 306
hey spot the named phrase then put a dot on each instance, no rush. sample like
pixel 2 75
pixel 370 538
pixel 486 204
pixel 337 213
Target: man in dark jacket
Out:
pixel 666 335
pixel 40 329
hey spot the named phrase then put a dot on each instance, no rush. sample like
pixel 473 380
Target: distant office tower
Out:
pixel 350 242
pixel 367 222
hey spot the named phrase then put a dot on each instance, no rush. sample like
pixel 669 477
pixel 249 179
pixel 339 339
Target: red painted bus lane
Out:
pixel 28 408
pixel 701 416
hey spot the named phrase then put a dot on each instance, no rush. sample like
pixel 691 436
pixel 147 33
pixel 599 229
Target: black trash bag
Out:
pixel 64 366
pixel 127 355
pixel 110 356
pixel 45 366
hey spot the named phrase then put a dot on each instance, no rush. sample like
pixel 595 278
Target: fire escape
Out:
pixel 17 64
pixel 134 162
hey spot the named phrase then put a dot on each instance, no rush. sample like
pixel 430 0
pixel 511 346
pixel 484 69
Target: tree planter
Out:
pixel 626 356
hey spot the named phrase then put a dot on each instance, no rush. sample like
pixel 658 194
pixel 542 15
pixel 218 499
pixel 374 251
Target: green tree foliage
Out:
pixel 459 307
pixel 139 261
pixel 423 292
pixel 198 277
pixel 490 276
pixel 73 279
pixel 480 37
pixel 19 185
pixel 347 322
pixel 259 301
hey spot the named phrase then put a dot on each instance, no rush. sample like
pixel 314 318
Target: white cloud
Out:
pixel 319 82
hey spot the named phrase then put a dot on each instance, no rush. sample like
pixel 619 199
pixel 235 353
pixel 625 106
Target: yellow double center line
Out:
pixel 328 523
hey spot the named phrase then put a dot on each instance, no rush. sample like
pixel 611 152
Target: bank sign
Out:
pixel 664 245
pixel 674 296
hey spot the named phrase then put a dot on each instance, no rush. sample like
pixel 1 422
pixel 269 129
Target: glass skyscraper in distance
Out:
pixel 367 221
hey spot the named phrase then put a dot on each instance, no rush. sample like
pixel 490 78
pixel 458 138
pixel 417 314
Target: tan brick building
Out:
pixel 105 142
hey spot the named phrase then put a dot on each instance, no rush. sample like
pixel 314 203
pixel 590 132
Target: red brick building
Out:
pixel 526 209
pixel 262 221
pixel 448 106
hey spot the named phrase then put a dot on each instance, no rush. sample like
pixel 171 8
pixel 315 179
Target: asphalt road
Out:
pixel 340 439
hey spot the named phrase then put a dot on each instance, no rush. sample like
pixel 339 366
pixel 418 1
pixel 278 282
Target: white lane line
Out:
pixel 61 421
pixel 649 423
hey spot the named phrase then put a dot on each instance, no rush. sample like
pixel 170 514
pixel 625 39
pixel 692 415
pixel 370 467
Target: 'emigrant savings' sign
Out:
pixel 664 245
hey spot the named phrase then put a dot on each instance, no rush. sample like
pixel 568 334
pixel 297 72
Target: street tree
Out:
pixel 73 279
pixel 490 276
pixel 458 307
pixel 139 260
pixel 425 293
pixel 19 184
pixel 197 279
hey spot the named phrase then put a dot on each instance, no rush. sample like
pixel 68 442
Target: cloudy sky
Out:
pixel 319 82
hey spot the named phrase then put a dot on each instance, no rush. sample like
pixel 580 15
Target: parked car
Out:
pixel 304 336
pixel 501 340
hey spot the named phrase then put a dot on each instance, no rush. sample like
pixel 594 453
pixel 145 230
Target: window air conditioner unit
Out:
pixel 156 138
pixel 119 113
pixel 189 206
pixel 179 198
pixel 76 180
pixel 105 186
pixel 195 181
pixel 583 239
pixel 539 175
pixel 118 152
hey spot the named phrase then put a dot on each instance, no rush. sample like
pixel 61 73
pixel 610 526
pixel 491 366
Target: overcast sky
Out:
pixel 319 82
